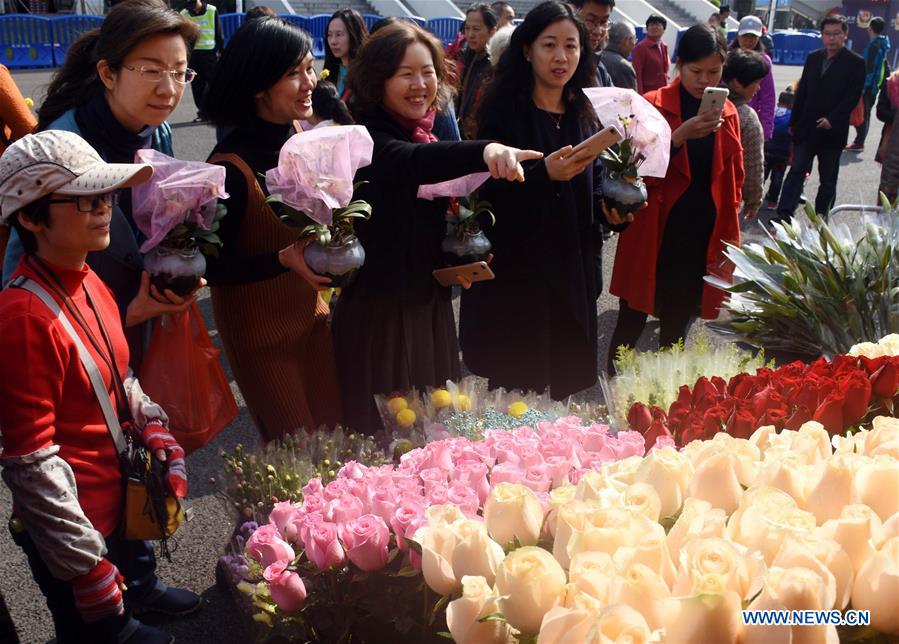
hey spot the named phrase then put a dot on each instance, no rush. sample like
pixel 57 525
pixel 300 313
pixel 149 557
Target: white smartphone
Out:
pixel 606 137
pixel 713 100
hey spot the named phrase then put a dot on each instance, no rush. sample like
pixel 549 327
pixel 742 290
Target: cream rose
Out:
pixel 624 471
pixel 765 517
pixel 814 552
pixel 858 530
pixel 594 487
pixel 591 592
pixel 786 471
pixel 591 562
pixel 529 582
pixel 644 589
pixel 621 623
pixel 446 514
pixel 608 529
pixel 669 472
pixel 711 613
pixel 891 527
pixel 558 497
pixel 565 625
pixel 643 499
pixel 697 519
pixel 761 438
pixel 876 588
pixel 830 489
pixel 883 438
pixel 747 456
pixel 437 546
pixel 715 481
pixel 513 511
pixel 475 554
pixel 740 571
pixel 477 601
pixel 570 519
pixel 877 486
pixel 791 589
pixel 651 550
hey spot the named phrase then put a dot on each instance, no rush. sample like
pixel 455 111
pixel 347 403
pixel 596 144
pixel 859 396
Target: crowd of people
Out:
pixel 503 99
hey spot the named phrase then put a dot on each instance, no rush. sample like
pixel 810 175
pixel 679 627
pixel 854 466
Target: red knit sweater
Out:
pixel 45 396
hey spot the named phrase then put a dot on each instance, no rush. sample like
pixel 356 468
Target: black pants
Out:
pixel 202 62
pixel 776 169
pixel 861 132
pixel 828 171
pixel 134 559
pixel 675 321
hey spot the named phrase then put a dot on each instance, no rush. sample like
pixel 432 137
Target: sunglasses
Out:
pixel 90 203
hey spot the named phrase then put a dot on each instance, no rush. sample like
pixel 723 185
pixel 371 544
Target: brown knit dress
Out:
pixel 275 332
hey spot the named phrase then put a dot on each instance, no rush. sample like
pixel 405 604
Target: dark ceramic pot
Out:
pixel 623 195
pixel 339 263
pixel 176 269
pixel 466 249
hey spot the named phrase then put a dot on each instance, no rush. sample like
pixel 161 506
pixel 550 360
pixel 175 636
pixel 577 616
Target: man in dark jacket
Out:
pixel 828 90
pixel 596 15
pixel 622 39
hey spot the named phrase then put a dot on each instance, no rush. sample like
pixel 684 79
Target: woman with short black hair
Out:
pixel 273 323
pixel 346 33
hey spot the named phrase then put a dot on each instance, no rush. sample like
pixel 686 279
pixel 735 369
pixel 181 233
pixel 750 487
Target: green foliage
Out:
pixel 189 234
pixel 817 288
pixel 627 159
pixel 654 377
pixel 463 212
pixel 342 227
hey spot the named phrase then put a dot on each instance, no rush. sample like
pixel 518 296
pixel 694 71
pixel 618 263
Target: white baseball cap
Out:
pixel 750 25
pixel 61 162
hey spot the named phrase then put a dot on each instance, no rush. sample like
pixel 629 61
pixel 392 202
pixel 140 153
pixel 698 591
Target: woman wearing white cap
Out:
pixel 59 458
pixel 765 100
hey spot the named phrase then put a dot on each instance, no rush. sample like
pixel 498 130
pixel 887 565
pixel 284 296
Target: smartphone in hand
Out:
pixel 713 100
pixel 605 138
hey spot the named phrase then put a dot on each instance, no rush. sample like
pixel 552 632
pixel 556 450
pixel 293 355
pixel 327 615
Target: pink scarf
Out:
pixel 419 130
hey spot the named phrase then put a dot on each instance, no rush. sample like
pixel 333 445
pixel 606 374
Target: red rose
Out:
pixel 830 414
pixel 741 423
pixel 741 385
pixel 720 385
pixel 801 415
pixel 714 419
pixel 775 417
pixel 639 417
pixel 857 394
pixel 806 396
pixel 656 430
pixel 704 394
pixel 885 381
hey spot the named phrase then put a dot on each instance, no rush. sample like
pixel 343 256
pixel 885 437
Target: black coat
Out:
pixel 833 95
pixel 394 327
pixel 534 326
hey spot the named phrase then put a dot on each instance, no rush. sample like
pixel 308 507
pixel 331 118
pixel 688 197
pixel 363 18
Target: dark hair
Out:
pixel 514 75
pixel 877 25
pixel 255 13
pixel 499 6
pixel 580 3
pixel 379 58
pixel 257 56
pixel 759 47
pixel 486 12
pixel 387 20
pixel 326 104
pixel 357 32
pixel 745 67
pixel 835 19
pixel 37 212
pixel 725 8
pixel 786 98
pixel 127 25
pixel 698 42
pixel 654 17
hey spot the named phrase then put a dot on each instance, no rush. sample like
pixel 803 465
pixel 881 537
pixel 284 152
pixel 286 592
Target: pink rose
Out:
pixel 505 473
pixel 286 587
pixel 366 540
pixel 528 455
pixel 406 519
pixel 267 546
pixel 407 484
pixel 431 477
pixel 313 487
pixel 462 495
pixel 506 451
pixel 624 445
pixel 383 502
pixel 557 469
pixel 595 438
pixel 352 470
pixel 343 509
pixel 437 495
pixel 439 454
pixel 313 503
pixel 306 523
pixel 535 477
pixel 283 516
pixel 335 489
pixel 474 475
pixel 323 546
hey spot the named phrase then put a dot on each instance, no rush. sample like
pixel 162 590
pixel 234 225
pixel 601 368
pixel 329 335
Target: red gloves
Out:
pixel 155 437
pixel 98 594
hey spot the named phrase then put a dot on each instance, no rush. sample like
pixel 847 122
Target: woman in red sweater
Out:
pixel 58 457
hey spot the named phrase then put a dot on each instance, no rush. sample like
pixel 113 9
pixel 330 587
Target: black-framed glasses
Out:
pixel 156 74
pixel 90 203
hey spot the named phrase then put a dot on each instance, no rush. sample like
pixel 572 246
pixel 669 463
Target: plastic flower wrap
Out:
pixel 649 129
pixel 178 192
pixel 316 168
pixel 458 187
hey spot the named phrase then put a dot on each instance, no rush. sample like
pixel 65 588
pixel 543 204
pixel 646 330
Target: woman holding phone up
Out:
pixel 534 326
pixel 662 259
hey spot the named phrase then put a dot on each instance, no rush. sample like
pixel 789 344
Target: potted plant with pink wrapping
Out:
pixel 313 184
pixel 178 213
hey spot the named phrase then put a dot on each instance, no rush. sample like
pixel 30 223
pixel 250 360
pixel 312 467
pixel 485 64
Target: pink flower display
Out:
pixel 267 546
pixel 366 540
pixel 286 587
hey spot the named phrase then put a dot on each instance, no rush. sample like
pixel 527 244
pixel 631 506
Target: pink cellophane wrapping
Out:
pixel 459 187
pixel 179 191
pixel 650 130
pixel 316 168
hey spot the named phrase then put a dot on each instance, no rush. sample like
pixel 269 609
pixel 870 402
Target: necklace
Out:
pixel 556 119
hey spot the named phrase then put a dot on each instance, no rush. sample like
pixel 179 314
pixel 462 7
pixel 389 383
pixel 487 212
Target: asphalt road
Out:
pixel 200 540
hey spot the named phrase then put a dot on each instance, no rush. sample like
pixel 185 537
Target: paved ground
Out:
pixel 199 541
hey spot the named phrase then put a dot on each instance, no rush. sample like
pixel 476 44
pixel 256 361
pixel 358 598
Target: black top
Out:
pixel 476 66
pixel 402 238
pixel 258 144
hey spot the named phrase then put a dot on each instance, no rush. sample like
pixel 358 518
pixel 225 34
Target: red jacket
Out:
pixel 651 63
pixel 634 273
pixel 46 397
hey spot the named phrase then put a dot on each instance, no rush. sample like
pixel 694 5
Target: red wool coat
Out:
pixel 634 274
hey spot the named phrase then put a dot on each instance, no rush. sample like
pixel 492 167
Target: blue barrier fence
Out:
pixel 37 41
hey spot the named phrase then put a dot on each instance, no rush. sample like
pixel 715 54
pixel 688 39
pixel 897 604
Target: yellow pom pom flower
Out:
pixel 517 409
pixel 405 418
pixel 441 398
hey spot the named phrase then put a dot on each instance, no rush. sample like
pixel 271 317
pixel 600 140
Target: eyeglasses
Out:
pixel 90 203
pixel 832 34
pixel 596 23
pixel 155 74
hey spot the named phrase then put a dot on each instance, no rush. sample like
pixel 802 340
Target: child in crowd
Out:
pixel 743 71
pixel 327 108
pixel 778 148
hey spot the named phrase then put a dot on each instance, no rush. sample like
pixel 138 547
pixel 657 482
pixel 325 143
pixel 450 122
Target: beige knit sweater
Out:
pixel 752 138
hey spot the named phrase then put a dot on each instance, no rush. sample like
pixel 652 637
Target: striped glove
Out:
pixel 156 437
pixel 98 593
